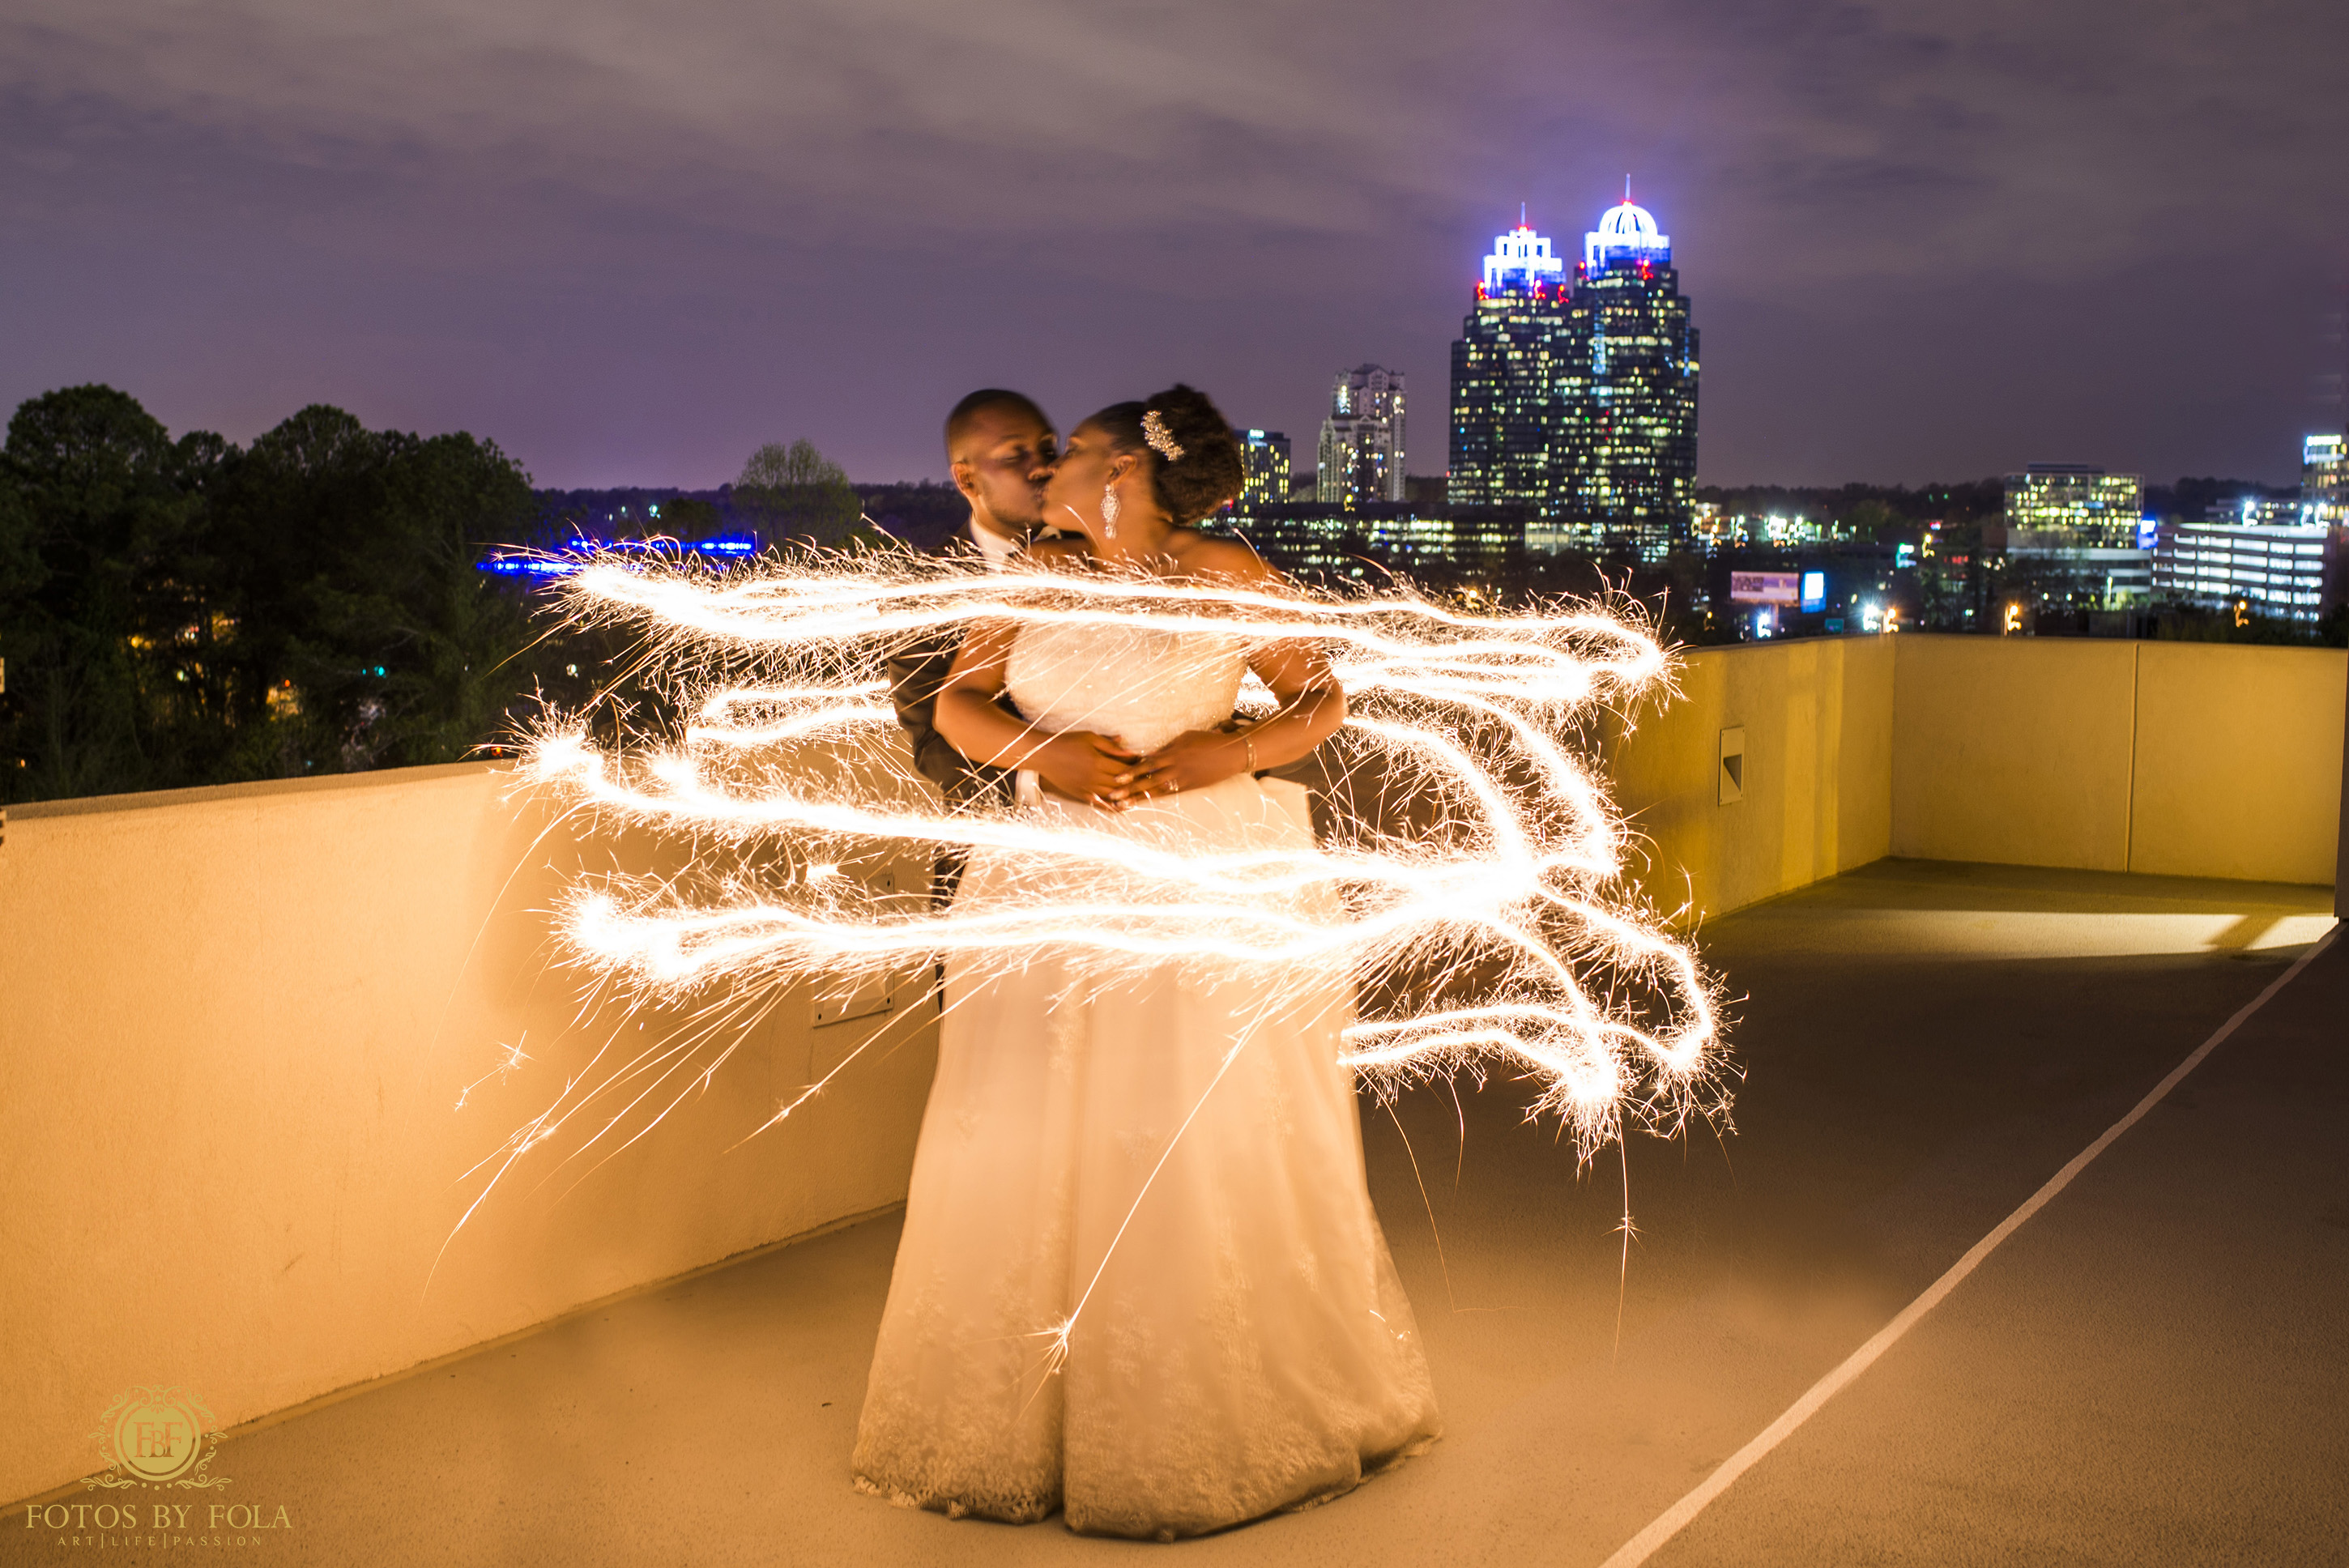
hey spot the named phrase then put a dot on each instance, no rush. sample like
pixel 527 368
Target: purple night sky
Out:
pixel 630 241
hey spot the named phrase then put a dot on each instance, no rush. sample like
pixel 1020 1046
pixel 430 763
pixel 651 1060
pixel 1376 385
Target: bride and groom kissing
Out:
pixel 1140 1280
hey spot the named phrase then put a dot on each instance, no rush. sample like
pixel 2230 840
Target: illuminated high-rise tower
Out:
pixel 2325 478
pixel 1629 388
pixel 1264 468
pixel 1360 460
pixel 1505 407
pixel 1575 398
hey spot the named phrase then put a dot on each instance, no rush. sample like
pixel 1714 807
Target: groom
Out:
pixel 1000 448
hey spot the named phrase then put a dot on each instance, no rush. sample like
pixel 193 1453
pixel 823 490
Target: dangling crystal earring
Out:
pixel 1109 512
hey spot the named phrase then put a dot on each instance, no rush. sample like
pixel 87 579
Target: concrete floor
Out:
pixel 2150 1371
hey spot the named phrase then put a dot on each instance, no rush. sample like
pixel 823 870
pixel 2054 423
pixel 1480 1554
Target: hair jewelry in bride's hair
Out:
pixel 1198 465
pixel 1161 440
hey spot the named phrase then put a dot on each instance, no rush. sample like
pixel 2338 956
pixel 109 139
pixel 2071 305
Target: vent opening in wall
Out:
pixel 1733 766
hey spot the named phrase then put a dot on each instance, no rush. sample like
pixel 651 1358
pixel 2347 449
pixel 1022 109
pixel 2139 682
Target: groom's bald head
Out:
pixel 1000 444
pixel 989 406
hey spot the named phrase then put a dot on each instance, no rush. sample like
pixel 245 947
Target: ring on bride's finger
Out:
pixel 1173 786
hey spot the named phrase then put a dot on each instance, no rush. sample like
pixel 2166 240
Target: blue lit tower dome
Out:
pixel 1627 233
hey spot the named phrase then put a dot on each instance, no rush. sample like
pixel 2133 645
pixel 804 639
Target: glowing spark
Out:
pixel 1472 921
pixel 1623 1273
pixel 515 1059
pixel 1486 913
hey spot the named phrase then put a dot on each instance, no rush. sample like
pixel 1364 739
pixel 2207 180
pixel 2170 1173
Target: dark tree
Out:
pixel 686 517
pixel 103 618
pixel 175 613
pixel 796 493
pixel 376 641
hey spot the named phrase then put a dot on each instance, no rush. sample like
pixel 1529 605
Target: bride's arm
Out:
pixel 1311 707
pixel 1075 762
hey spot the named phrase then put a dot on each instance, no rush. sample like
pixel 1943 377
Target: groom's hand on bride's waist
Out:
pixel 1086 766
pixel 1190 761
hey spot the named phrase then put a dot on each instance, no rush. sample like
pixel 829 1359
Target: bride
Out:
pixel 1140 1279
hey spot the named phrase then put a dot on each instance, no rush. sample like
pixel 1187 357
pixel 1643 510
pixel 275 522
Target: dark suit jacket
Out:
pixel 916 673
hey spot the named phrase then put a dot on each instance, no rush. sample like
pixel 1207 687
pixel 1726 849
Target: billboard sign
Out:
pixel 1765 588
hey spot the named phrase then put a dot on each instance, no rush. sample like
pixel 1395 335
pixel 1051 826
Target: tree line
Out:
pixel 179 611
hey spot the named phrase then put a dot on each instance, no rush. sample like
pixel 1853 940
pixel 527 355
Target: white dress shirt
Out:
pixel 998 551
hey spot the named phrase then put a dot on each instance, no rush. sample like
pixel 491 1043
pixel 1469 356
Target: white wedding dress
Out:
pixel 1243 1343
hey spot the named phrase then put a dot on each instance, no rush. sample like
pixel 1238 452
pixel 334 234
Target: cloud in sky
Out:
pixel 631 242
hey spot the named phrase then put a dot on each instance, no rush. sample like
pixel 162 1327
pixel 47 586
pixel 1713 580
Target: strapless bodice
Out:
pixel 1143 685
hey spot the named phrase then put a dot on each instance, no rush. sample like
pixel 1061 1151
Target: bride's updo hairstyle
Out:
pixel 1206 475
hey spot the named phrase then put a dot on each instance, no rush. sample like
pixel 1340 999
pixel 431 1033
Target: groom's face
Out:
pixel 1001 460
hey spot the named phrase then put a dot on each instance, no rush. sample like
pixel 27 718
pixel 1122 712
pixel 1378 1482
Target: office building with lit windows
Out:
pixel 1264 467
pixel 1332 546
pixel 2324 479
pixel 2068 505
pixel 1506 410
pixel 1630 388
pixel 2291 571
pixel 2081 534
pixel 1574 398
pixel 1361 458
pixel 2267 555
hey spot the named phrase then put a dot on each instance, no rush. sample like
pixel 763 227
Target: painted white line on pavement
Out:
pixel 1675 1519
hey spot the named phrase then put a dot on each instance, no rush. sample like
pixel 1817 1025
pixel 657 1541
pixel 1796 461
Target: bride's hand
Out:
pixel 1189 761
pixel 1084 766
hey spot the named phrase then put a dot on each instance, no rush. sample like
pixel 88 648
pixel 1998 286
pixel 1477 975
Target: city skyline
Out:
pixel 1574 396
pixel 630 254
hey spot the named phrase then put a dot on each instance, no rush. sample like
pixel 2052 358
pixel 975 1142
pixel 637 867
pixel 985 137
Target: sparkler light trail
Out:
pixel 1485 910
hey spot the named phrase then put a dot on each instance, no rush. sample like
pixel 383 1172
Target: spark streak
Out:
pixel 1488 916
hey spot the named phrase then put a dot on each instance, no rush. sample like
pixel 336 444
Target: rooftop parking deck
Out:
pixel 259 1040
pixel 2148 1370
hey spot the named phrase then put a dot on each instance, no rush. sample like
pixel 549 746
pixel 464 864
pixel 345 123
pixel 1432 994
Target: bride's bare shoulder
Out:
pixel 1226 560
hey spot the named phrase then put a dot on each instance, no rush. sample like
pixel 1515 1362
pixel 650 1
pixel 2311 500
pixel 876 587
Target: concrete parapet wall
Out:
pixel 1815 718
pixel 2238 761
pixel 235 1024
pixel 234 1029
pixel 2014 749
pixel 2204 760
pixel 2178 759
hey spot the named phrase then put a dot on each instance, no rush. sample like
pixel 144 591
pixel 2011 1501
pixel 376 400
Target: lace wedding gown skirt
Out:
pixel 1170 1153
